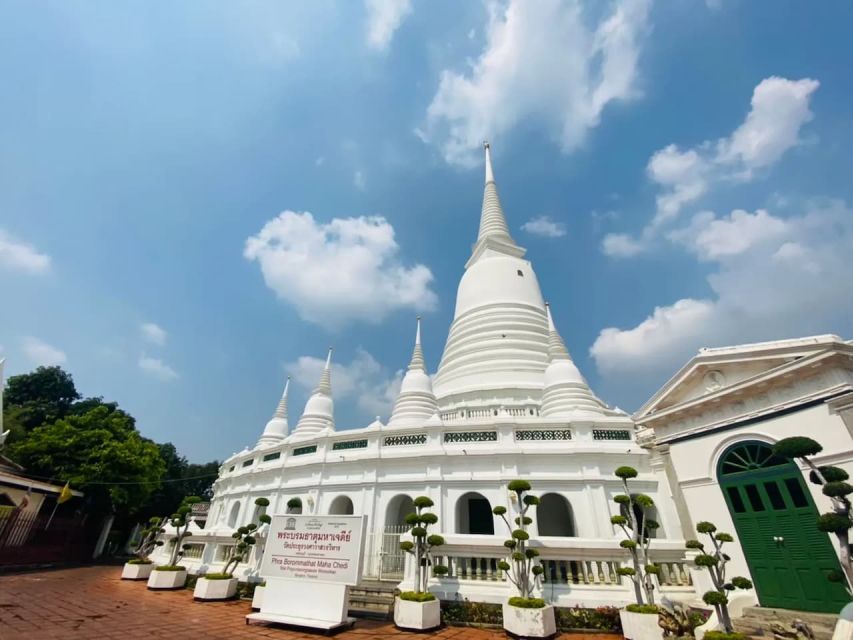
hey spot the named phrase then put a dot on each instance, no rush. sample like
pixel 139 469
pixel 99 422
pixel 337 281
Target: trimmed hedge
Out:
pixel 527 603
pixel 167 567
pixel 139 561
pixel 414 596
pixel 642 608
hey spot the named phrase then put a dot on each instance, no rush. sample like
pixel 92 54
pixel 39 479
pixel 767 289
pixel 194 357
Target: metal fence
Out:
pixel 27 539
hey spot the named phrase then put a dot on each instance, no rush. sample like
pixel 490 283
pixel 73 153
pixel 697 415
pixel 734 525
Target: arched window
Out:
pixel 474 514
pixel 232 517
pixel 749 456
pixel 554 516
pixel 341 506
pixel 398 508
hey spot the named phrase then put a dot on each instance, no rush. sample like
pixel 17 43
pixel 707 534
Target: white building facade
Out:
pixel 506 402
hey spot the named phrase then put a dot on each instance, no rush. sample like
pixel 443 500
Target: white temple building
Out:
pixel 506 402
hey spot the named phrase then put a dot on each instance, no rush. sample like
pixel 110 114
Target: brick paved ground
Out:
pixel 93 603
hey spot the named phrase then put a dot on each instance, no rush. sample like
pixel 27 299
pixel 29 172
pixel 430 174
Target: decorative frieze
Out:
pixel 304 451
pixel 611 434
pixel 543 434
pixel 398 441
pixel 471 436
pixel 349 444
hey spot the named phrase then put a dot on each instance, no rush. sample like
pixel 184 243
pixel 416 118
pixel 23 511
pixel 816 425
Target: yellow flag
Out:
pixel 64 495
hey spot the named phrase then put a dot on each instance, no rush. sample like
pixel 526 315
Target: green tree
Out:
pixel 523 569
pixel 38 397
pixel 99 452
pixel 181 478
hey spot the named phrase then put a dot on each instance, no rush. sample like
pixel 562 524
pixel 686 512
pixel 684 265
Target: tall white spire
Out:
pixel 319 413
pixel 566 393
pixel 276 429
pixel 416 403
pixel 494 232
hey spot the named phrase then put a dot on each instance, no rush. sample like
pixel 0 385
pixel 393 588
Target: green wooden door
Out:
pixel 775 520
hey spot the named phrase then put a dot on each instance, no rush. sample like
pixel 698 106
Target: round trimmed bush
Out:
pixel 628 544
pixel 833 523
pixel 625 473
pixel 724 537
pixel 742 583
pixel 830 474
pixel 837 489
pixel 262 502
pixel 714 598
pixel 520 534
pixel 435 540
pixel 499 511
pixel 622 499
pixel 518 486
pixel 422 502
pixel 706 527
pixel 706 560
pixel 618 520
pixel 797 447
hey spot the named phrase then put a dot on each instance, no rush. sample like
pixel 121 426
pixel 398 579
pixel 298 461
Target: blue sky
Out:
pixel 679 173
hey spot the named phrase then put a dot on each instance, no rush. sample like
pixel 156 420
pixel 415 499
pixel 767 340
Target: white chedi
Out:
pixel 319 413
pixel 416 401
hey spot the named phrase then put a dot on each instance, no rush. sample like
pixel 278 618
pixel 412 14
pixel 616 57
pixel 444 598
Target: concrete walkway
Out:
pixel 92 603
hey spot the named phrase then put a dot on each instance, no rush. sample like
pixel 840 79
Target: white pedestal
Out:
pixel 316 604
pixel 530 623
pixel 640 626
pixel 215 589
pixel 167 579
pixel 420 616
pixel 258 598
pixel 844 626
pixel 137 571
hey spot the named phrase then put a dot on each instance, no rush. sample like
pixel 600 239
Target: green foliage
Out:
pixel 419 532
pixel 503 565
pixel 417 596
pixel 742 583
pixel 423 502
pixel 797 447
pixel 722 635
pixel 520 534
pixel 626 473
pixel 622 499
pixel 139 561
pixel 694 544
pixel 531 553
pixel 830 474
pixel 217 576
pixel 837 489
pixel 429 518
pixel 652 569
pixel 440 570
pixel 527 603
pixel 264 519
pixel 706 527
pixel 833 523
pixel 499 511
pixel 411 519
pixel 706 560
pixel 464 612
pixel 525 520
pixel 531 500
pixel 294 503
pixel 715 598
pixel 180 478
pixel 510 544
pixel 642 608
pixel 628 544
pixel 262 502
pixel 626 571
pixel 643 500
pixel 518 556
pixel 84 449
pixel 407 545
pixel 519 486
pixel 435 540
pixel 599 619
pixel 170 567
pixel 33 399
pixel 724 537
pixel 618 520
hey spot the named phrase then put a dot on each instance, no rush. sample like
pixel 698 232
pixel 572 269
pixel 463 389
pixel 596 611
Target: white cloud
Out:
pixel 779 109
pixel 712 238
pixel 621 245
pixel 542 61
pixel 383 19
pixel 154 333
pixel 348 269
pixel 319 161
pixel 544 226
pixel 364 379
pixel 359 181
pixel 41 353
pixel 157 368
pixel 773 278
pixel 20 256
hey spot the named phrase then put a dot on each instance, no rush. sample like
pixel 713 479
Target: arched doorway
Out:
pixel 391 557
pixel 232 517
pixel 474 514
pixel 774 516
pixel 341 506
pixel 398 508
pixel 554 516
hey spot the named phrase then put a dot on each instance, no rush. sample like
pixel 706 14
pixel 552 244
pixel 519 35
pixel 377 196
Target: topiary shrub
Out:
pixel 527 603
pixel 678 620
pixel 180 520
pixel 832 481
pixel 294 505
pixel 642 608
pixel 149 541
pixel 421 546
pixel 417 596
pixel 522 567
pixel 715 561
pixel 637 527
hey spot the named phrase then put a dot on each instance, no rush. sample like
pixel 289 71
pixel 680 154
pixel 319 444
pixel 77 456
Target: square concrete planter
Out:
pixel 640 626
pixel 215 589
pixel 530 623
pixel 167 579
pixel 258 598
pixel 420 616
pixel 136 571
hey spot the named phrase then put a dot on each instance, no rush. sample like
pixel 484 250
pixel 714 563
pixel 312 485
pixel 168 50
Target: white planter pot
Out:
pixel 844 626
pixel 137 571
pixel 417 615
pixel 640 626
pixel 258 598
pixel 167 579
pixel 215 589
pixel 530 623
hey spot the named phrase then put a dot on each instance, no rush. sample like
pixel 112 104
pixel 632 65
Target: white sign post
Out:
pixel 308 563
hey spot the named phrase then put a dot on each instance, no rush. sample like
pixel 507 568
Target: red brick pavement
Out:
pixel 94 603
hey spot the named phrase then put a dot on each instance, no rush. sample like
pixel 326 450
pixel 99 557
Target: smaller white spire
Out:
pixel 319 410
pixel 556 347
pixel 416 402
pixel 277 427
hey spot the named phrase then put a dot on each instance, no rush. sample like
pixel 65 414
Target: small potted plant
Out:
pixel 677 620
pixel 714 560
pixel 524 615
pixel 639 620
pixel 419 609
pixel 264 520
pixel 140 567
pixel 172 575
pixel 223 586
